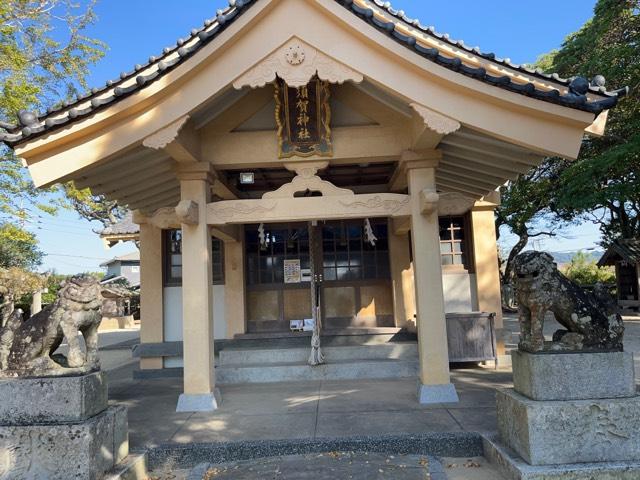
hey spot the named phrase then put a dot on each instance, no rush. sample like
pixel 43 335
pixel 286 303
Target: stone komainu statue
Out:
pixel 26 347
pixel 591 320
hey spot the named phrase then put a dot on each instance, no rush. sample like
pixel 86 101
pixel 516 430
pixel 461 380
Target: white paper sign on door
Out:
pixel 292 272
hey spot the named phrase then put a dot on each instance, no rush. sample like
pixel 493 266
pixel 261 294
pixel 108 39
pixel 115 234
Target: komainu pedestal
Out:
pixel 571 408
pixel 60 428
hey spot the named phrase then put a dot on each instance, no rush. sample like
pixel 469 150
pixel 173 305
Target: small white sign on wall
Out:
pixel 292 272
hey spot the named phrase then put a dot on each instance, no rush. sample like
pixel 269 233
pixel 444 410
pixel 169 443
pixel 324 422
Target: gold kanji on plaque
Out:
pixel 303 116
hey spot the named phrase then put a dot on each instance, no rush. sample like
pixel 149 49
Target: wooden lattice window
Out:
pixel 452 242
pixel 347 255
pixel 173 259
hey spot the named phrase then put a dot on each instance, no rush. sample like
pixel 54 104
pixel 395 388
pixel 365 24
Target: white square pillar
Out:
pixel 434 385
pixel 197 295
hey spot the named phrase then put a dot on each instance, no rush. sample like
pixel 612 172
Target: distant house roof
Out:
pixel 32 125
pixel 627 250
pixel 129 257
pixel 123 227
pixel 124 230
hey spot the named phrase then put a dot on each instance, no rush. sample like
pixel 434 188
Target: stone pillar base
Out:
pixel 513 467
pixel 83 451
pixel 207 402
pixel 570 431
pixel 430 394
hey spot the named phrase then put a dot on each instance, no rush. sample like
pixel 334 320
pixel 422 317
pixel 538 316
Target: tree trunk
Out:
pixel 517 248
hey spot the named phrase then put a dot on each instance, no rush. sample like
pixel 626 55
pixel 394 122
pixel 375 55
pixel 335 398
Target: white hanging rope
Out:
pixel 262 236
pixel 368 233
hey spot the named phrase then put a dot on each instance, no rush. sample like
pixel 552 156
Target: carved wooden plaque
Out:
pixel 303 116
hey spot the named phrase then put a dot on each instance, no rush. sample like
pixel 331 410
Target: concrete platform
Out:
pixel 303 410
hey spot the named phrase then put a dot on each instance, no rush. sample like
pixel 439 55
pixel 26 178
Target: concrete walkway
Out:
pixel 314 410
pixel 305 410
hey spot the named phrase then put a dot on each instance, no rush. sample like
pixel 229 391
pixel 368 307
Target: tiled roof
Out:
pixel 31 125
pixel 626 249
pixel 578 87
pixel 123 227
pixel 533 72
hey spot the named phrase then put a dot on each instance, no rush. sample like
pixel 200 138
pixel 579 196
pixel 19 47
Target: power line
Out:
pixel 67 233
pixel 74 256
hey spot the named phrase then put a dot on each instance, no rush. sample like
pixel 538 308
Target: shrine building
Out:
pixel 291 145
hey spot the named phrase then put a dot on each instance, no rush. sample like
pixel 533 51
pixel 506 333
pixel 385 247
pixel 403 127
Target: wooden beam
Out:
pixel 475 191
pixel 119 170
pixel 161 174
pixel 146 191
pixel 476 182
pixel 157 201
pixel 376 205
pixel 460 172
pixel 365 104
pixel 450 189
pixel 491 150
pixel 486 140
pixel 401 225
pixel 224 191
pixel 473 168
pixel 368 144
pixel 485 159
pixel 237 113
pixel 398 180
pixel 179 140
pixel 227 233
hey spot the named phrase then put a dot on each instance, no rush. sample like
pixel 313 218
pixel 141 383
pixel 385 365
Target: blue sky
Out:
pixel 136 29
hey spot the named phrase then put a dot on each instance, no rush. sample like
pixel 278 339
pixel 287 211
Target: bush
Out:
pixel 584 270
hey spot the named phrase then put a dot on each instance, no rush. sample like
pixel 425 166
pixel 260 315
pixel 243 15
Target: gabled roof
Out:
pixel 574 92
pixel 129 257
pixel 627 250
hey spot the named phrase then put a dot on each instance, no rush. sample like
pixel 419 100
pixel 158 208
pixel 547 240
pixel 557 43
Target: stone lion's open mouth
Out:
pixel 525 276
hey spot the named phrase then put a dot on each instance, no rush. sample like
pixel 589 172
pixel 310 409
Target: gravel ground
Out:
pixel 343 466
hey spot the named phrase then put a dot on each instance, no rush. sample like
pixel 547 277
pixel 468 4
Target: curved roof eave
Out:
pixel 31 125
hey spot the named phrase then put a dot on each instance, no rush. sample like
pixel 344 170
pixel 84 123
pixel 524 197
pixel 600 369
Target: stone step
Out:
pixel 263 356
pixel 335 370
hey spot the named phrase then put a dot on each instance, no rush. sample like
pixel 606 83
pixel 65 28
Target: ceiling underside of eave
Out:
pixel 143 180
pixel 476 164
pixel 472 164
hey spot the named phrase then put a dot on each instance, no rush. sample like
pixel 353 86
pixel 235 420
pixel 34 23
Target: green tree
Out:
pixel 15 283
pixel 45 57
pixel 603 185
pixel 527 208
pixel 18 248
pixel 584 270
